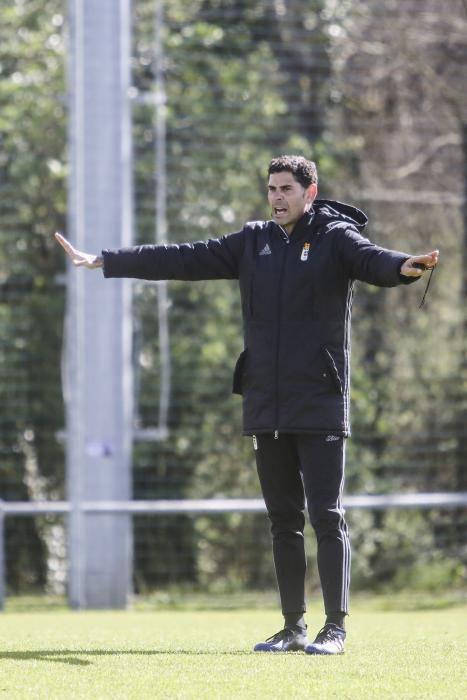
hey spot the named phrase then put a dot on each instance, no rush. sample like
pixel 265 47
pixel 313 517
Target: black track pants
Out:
pixel 290 468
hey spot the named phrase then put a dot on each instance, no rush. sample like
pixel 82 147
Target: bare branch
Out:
pixel 417 163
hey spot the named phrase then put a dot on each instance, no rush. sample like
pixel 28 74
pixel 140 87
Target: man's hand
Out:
pixel 418 264
pixel 77 257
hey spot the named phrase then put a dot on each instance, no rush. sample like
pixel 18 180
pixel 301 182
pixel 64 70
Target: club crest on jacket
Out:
pixel 305 251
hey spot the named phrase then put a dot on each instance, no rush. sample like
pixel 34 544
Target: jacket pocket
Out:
pixel 237 384
pixel 332 370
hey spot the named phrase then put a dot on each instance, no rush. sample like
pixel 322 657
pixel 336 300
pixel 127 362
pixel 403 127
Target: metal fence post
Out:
pixel 2 556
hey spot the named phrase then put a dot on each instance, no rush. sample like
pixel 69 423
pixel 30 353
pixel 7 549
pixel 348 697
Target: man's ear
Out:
pixel 311 192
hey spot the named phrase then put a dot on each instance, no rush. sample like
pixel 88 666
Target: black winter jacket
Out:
pixel 296 300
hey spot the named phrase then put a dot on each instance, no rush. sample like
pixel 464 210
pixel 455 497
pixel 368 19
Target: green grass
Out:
pixel 207 654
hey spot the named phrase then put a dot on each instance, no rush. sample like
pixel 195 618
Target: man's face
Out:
pixel 289 200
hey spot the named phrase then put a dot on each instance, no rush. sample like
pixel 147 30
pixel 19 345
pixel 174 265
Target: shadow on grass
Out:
pixel 73 656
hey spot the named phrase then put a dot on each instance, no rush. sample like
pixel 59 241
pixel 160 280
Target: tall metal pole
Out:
pixel 98 333
pixel 161 212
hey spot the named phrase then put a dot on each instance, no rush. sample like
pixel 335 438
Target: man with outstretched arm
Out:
pixel 296 274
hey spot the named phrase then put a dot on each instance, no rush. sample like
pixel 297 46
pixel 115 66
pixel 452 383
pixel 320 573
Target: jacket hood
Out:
pixel 331 210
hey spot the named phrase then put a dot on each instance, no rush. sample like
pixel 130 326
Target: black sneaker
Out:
pixel 288 639
pixel 329 640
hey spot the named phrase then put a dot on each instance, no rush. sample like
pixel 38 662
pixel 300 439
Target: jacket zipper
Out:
pixel 286 240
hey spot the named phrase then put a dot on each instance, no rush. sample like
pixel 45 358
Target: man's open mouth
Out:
pixel 279 210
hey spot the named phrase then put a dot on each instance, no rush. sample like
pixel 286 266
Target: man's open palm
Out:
pixel 79 258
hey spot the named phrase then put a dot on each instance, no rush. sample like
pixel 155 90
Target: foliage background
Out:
pixel 373 92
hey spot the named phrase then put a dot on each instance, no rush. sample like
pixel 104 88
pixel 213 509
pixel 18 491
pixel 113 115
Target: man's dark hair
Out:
pixel 303 170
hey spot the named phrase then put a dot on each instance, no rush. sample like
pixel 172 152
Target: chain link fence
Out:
pixel 226 86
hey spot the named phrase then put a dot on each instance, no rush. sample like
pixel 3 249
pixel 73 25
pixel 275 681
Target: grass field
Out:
pixel 207 654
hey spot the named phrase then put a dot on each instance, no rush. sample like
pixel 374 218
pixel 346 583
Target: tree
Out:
pixel 402 112
pixel 242 86
pixel 32 199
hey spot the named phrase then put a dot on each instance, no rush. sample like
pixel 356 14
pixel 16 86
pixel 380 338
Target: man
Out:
pixel 296 275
